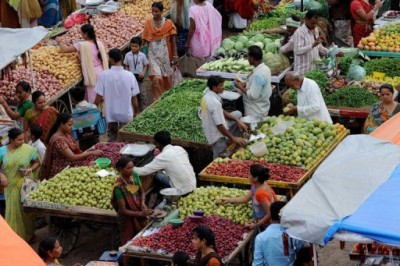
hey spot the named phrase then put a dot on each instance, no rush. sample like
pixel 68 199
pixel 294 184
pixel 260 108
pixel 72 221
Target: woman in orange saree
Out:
pixel 159 33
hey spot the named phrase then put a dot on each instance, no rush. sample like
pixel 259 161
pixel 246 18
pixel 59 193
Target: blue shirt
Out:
pixel 268 248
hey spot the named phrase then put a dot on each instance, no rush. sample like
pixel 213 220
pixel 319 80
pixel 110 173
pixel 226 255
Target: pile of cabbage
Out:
pixel 236 47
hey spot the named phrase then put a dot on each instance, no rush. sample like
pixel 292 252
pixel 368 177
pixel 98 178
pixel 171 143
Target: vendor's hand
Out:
pixel 96 152
pixel 224 200
pixel 3 180
pixel 242 125
pixel 378 4
pixel 291 111
pixel 141 75
pixel 317 42
pixel 239 141
pixel 146 212
pixel 2 101
pixel 26 171
pixel 250 225
pixel 239 85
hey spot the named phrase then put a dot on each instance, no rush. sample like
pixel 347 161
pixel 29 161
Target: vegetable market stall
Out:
pixel 295 149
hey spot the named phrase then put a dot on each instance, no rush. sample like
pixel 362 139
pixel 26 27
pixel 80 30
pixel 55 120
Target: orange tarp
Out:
pixel 389 131
pixel 14 250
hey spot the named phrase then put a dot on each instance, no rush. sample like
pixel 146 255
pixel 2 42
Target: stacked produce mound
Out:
pixel 44 81
pixel 302 143
pixel 141 9
pixel 111 150
pixel 227 236
pixel 78 186
pixel 386 39
pixel 113 30
pixel 240 168
pixel 175 112
pixel 375 248
pixel 207 199
pixel 64 66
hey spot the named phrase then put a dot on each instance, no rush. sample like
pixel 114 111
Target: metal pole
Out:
pixel 32 73
pixel 314 249
pixel 301 6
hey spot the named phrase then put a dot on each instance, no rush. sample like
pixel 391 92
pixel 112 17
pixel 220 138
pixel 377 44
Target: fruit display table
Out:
pixel 181 237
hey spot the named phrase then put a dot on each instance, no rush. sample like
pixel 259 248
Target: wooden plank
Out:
pixel 275 184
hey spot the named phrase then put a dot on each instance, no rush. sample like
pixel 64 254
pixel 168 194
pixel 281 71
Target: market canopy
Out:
pixel 389 131
pixel 14 42
pixel 347 193
pixel 14 250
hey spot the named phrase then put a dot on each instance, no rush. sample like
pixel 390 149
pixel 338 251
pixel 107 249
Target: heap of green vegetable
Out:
pixel 286 13
pixel 175 112
pixel 389 66
pixel 351 96
pixel 230 65
pixel 344 65
pixel 267 23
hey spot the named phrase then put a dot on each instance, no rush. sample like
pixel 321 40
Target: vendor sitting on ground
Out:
pixel 257 90
pixel 383 110
pixel 310 103
pixel 171 165
pixel 215 127
pixel 261 195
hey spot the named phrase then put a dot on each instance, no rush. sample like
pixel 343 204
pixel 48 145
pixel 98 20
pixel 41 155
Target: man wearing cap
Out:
pixel 292 24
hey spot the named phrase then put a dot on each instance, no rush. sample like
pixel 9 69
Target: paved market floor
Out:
pixel 92 243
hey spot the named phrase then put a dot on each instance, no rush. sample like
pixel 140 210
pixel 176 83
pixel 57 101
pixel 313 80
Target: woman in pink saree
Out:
pixel 205 30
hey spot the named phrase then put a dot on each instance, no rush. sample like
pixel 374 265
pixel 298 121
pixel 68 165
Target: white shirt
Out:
pixel 310 103
pixel 40 147
pixel 136 62
pixel 174 160
pixel 258 85
pixel 212 116
pixel 117 86
pixel 304 53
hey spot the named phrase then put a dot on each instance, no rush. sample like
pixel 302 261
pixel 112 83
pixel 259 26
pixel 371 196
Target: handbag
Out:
pixel 28 186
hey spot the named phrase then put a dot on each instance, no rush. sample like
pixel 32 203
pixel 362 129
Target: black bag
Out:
pixel 137 78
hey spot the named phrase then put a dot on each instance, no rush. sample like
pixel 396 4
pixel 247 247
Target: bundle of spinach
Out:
pixel 344 65
pixel 389 66
pixel 351 96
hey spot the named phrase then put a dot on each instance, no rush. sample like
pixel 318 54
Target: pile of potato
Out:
pixel 141 9
pixel 64 66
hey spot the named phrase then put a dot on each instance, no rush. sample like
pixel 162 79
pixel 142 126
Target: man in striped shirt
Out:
pixel 307 44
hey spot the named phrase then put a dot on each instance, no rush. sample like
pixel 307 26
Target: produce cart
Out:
pixel 348 112
pixel 242 251
pixel 380 54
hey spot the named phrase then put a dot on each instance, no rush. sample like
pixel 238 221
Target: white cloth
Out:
pixel 85 105
pixel 304 53
pixel 136 62
pixel 117 86
pixel 174 160
pixel 40 147
pixel 258 85
pixel 310 103
pixel 212 116
pixel 236 21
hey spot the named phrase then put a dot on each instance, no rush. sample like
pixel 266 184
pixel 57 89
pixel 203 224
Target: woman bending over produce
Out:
pixel 261 195
pixel 93 57
pixel 204 241
pixel 62 149
pixel 159 33
pixel 23 92
pixel 17 160
pixel 40 115
pixel 128 200
pixel 383 110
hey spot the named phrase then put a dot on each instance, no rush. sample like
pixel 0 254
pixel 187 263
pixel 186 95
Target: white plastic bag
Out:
pixel 29 185
pixel 176 77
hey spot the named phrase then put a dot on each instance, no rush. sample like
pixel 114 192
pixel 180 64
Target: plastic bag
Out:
pixel 356 73
pixel 176 76
pixel 189 64
pixel 28 186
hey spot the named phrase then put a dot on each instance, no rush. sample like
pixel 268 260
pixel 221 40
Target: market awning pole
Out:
pixel 301 6
pixel 314 246
pixel 32 73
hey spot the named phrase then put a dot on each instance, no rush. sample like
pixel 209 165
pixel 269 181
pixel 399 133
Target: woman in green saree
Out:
pixel 17 159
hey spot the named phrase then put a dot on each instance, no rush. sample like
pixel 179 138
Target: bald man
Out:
pixel 310 103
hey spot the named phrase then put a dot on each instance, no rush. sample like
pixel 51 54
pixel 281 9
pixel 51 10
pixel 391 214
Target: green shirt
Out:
pixel 25 106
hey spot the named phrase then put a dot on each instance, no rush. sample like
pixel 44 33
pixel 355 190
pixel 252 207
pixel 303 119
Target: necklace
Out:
pixel 132 188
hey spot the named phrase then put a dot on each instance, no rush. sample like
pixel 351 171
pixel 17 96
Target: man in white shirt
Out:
pixel 174 161
pixel 307 44
pixel 310 103
pixel 258 90
pixel 118 88
pixel 215 127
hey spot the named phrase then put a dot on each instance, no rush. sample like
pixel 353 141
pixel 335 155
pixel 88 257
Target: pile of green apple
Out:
pixel 302 143
pixel 78 186
pixel 208 199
